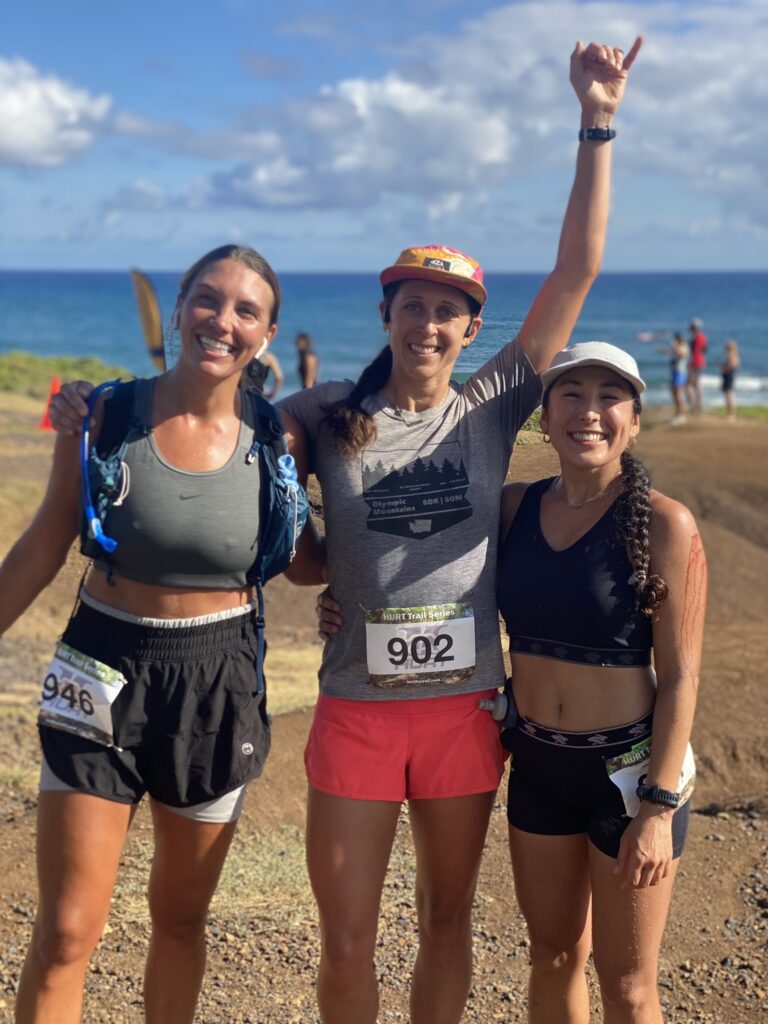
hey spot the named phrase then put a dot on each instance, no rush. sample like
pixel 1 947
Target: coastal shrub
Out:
pixel 26 374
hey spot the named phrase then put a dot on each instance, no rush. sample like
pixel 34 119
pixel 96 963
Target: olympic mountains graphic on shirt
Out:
pixel 415 493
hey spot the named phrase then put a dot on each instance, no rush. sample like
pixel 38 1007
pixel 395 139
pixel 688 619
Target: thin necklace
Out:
pixel 613 486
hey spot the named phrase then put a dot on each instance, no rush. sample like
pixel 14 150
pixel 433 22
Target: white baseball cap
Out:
pixel 594 353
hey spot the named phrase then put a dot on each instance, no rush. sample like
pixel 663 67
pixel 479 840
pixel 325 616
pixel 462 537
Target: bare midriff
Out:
pixel 576 698
pixel 162 602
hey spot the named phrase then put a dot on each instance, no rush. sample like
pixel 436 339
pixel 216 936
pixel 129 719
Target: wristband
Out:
pixel 657 795
pixel 597 134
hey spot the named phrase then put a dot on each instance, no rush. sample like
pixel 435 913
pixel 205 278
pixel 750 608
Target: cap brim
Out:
pixel 551 375
pixel 464 284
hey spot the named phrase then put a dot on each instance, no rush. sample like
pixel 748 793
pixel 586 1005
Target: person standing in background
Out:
pixel 728 368
pixel 255 375
pixel 678 353
pixel 696 364
pixel 309 364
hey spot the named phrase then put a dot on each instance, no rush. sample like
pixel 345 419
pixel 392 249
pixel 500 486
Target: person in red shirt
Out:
pixel 696 364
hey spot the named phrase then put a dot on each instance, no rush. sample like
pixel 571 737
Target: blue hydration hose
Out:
pixel 92 520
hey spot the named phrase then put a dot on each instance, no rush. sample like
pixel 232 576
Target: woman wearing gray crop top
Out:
pixel 153 688
pixel 412 467
pixel 602 767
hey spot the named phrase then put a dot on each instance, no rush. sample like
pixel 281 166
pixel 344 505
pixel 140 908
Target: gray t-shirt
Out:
pixel 412 527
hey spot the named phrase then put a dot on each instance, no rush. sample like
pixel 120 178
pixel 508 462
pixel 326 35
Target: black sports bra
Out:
pixel 577 605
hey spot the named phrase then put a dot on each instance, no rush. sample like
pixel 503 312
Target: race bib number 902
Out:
pixel 78 693
pixel 422 646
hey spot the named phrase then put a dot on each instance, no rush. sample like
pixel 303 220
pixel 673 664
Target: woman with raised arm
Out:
pixel 157 685
pixel 598 574
pixel 411 467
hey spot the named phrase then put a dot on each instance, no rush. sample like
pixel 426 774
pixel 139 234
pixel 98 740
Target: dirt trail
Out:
pixel 263 936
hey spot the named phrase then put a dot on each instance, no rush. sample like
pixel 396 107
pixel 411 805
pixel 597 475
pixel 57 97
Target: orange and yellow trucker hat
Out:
pixel 441 264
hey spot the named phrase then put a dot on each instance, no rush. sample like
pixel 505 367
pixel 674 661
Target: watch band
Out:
pixel 657 795
pixel 597 134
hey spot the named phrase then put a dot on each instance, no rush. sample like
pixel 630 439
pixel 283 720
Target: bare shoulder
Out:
pixel 672 524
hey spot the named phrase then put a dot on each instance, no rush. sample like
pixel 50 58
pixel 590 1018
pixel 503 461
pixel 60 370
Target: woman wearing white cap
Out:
pixel 412 466
pixel 601 766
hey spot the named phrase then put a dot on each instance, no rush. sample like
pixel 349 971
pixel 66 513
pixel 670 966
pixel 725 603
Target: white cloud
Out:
pixel 486 108
pixel 458 116
pixel 44 121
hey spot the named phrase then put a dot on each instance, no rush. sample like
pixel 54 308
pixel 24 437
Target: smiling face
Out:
pixel 428 326
pixel 225 318
pixel 590 417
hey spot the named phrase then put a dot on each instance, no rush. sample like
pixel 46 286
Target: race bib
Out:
pixel 430 644
pixel 78 693
pixel 626 771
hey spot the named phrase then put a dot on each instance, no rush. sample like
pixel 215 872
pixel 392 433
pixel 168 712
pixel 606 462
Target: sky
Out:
pixel 330 135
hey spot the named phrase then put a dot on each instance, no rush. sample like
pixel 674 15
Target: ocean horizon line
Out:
pixel 656 272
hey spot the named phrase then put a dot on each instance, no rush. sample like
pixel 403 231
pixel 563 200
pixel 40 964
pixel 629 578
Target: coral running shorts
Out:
pixel 404 749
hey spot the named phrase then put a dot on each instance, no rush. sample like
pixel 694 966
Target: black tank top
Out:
pixel 255 376
pixel 579 604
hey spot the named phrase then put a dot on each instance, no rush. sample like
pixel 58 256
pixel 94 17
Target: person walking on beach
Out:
pixel 309 364
pixel 696 364
pixel 597 573
pixel 678 352
pixel 411 467
pixel 157 685
pixel 728 368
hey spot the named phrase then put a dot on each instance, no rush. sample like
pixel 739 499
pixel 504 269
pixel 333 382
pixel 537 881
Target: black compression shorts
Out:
pixel 559 783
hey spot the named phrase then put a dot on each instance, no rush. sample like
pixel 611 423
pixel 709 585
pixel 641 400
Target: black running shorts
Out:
pixel 189 726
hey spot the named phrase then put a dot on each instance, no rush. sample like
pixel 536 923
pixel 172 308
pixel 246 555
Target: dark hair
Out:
pixel 633 518
pixel 241 254
pixel 633 515
pixel 352 427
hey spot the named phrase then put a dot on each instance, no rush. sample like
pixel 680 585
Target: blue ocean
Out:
pixel 94 313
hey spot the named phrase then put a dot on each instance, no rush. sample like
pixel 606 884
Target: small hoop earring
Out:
pixel 545 438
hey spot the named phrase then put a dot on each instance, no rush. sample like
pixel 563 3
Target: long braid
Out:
pixel 633 509
pixel 352 427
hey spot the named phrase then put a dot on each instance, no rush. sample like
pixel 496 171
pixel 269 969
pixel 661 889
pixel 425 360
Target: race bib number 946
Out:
pixel 78 693
pixel 429 644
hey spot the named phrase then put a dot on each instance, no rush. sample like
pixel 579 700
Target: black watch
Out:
pixel 657 795
pixel 597 134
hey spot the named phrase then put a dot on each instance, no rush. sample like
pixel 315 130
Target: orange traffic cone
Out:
pixel 45 421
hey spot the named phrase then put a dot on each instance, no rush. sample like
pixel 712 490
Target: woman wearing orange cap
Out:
pixel 411 466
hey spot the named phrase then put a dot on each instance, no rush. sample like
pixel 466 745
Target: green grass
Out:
pixel 25 374
pixel 743 412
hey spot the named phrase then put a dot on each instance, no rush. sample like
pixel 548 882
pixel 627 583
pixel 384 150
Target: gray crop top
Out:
pixel 177 528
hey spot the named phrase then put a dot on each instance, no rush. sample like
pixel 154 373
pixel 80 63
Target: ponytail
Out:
pixel 351 426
